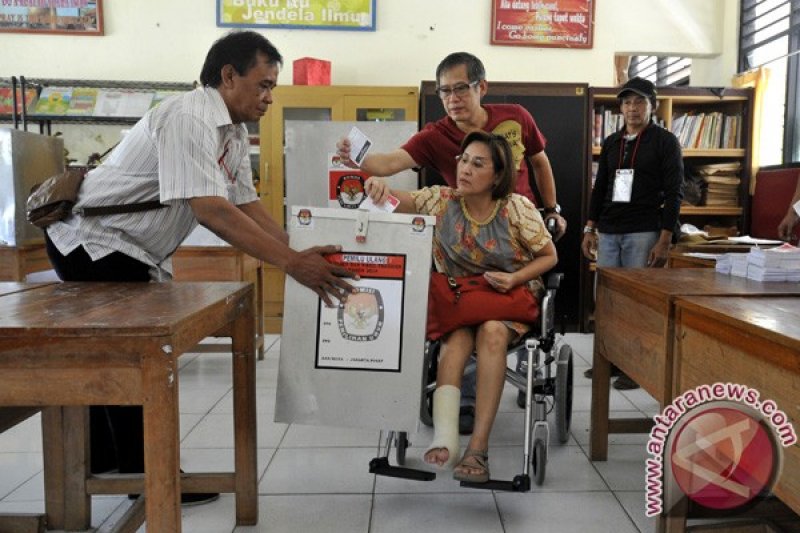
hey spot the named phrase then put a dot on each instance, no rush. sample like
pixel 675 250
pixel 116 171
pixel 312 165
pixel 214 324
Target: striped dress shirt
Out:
pixel 186 147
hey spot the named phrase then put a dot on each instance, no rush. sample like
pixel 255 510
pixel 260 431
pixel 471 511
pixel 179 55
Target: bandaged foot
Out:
pixel 444 448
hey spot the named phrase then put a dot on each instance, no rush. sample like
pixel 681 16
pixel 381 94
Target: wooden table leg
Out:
pixel 673 520
pixel 54 458
pixel 244 416
pixel 598 428
pixel 162 446
pixel 77 502
pixel 65 435
pixel 260 309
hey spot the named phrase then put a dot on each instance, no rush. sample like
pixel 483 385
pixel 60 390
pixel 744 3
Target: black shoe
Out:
pixel 200 498
pixel 466 419
pixel 188 499
pixel 624 382
pixel 615 372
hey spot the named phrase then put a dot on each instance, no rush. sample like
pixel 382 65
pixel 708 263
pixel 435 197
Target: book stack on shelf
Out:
pixel 722 183
pixel 608 120
pixel 705 131
pixel 97 102
pixel 7 100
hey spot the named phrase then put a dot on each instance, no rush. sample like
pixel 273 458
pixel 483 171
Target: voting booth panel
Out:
pixel 319 179
pixel 359 363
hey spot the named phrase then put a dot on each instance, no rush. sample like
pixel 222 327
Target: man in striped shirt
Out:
pixel 191 153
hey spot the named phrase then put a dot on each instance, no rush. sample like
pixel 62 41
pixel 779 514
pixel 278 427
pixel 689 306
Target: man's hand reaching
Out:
pixel 310 268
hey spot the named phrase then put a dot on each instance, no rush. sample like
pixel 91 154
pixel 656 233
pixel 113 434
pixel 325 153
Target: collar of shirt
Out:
pixel 219 110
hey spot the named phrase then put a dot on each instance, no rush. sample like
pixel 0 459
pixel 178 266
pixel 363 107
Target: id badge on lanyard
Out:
pixel 623 179
pixel 623 185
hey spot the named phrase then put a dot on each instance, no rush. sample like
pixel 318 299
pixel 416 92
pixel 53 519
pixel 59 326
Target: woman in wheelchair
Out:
pixel 481 228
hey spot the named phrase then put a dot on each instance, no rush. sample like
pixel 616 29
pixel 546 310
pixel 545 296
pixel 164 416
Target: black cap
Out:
pixel 640 86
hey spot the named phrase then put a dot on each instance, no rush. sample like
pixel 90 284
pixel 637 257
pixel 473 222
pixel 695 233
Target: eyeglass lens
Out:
pixel 459 90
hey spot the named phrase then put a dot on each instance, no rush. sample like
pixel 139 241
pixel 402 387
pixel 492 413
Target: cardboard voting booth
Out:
pixel 357 364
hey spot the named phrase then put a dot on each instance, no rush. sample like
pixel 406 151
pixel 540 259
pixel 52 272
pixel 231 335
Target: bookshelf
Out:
pixel 70 101
pixel 714 127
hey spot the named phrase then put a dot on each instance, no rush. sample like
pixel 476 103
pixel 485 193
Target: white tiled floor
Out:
pixel 315 479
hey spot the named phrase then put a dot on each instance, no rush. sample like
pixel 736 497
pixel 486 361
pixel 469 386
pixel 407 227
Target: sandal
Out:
pixel 474 460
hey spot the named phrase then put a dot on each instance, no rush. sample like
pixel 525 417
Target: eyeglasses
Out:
pixel 459 90
pixel 477 162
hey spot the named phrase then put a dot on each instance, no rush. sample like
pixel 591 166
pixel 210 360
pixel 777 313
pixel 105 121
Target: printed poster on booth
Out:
pixel 365 331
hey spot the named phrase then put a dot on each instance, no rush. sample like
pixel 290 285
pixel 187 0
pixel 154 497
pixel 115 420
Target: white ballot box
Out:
pixel 358 364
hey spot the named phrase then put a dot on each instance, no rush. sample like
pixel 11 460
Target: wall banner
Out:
pixel 352 15
pixel 547 23
pixel 52 16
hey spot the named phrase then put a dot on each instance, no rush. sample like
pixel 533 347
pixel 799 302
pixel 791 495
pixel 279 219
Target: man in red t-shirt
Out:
pixel 461 80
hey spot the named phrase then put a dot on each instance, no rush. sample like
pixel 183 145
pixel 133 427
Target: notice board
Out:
pixel 359 363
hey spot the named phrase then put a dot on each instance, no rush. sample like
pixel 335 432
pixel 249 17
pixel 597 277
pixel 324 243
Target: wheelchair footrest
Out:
pixel 381 467
pixel 520 483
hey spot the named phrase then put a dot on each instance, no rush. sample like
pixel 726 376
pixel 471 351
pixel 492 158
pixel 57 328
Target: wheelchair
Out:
pixel 543 375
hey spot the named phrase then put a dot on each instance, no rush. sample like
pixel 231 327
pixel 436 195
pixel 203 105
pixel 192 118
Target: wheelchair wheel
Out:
pixel 401 445
pixel 539 461
pixel 563 393
pixel 429 367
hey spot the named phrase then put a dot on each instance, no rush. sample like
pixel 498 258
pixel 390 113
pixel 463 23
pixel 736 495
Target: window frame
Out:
pixel 748 44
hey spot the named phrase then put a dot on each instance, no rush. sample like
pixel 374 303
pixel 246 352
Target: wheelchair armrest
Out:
pixel 553 281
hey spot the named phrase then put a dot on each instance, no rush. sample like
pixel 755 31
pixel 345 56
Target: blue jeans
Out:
pixel 628 250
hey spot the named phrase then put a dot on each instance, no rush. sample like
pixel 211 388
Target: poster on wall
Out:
pixel 350 15
pixel 547 23
pixel 52 16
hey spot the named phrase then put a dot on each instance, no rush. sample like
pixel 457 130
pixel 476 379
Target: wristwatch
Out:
pixel 550 210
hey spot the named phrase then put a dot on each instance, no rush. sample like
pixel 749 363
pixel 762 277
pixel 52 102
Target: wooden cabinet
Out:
pixel 305 102
pixel 678 107
pixel 560 111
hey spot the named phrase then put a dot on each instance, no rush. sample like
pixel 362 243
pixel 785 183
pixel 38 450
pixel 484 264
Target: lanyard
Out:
pixel 221 162
pixel 635 148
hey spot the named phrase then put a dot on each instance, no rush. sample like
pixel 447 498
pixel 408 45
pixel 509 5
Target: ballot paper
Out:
pixel 359 145
pixel 388 206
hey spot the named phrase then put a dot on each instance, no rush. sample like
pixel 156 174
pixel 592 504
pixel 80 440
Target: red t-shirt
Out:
pixel 438 144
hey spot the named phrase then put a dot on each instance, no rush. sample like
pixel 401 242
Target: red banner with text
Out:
pixel 550 23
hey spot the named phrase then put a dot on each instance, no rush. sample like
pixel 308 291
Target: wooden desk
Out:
pixel 10 417
pixel 635 330
pixel 80 344
pixel 223 263
pixel 749 341
pixel 681 260
pixel 18 261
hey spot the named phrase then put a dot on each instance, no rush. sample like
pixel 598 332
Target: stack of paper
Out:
pixel 739 265
pixel 723 265
pixel 774 264
pixel 722 180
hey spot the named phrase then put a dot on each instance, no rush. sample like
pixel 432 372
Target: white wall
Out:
pixel 166 40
